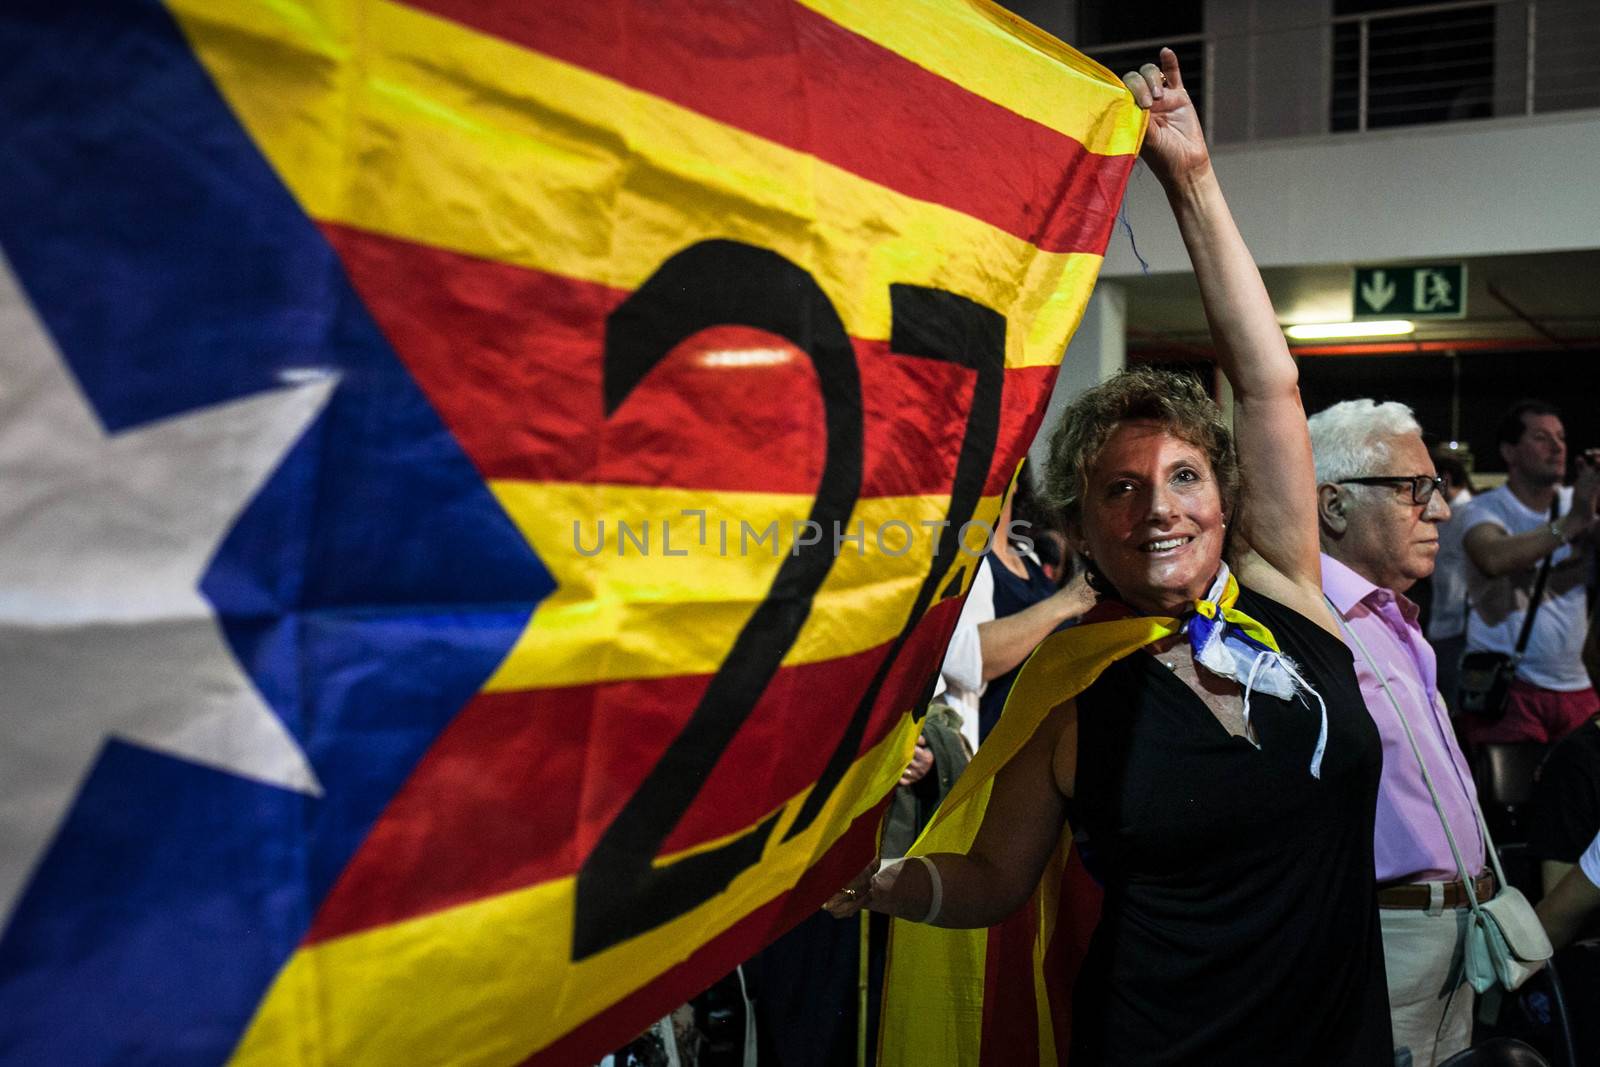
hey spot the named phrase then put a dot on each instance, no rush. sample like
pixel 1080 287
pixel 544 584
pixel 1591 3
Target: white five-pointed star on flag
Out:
pixel 104 634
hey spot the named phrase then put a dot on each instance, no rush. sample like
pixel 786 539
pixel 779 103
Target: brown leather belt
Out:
pixel 1417 895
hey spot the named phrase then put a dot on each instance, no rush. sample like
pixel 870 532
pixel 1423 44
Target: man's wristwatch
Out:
pixel 1555 531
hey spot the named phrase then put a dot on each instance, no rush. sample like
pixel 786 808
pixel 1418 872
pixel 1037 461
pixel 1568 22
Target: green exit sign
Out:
pixel 1432 292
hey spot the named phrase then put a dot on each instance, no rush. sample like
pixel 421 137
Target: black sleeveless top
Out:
pixel 1011 595
pixel 1240 923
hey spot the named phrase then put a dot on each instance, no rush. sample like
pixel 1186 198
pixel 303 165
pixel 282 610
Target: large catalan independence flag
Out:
pixel 481 489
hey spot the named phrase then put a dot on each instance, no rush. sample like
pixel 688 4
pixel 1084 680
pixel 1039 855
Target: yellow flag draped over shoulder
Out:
pixel 1002 995
pixel 564 431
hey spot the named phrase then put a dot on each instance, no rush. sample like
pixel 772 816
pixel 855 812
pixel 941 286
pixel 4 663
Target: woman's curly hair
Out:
pixel 1175 400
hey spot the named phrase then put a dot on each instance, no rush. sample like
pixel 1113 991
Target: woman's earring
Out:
pixel 1096 580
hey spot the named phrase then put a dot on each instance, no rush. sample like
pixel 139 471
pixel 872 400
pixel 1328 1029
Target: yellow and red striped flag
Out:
pixel 734 312
pixel 1003 995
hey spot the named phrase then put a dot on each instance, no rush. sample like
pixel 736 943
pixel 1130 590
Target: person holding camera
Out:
pixel 1530 547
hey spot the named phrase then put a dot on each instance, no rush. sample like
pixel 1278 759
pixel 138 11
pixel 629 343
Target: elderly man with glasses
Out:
pixel 1379 510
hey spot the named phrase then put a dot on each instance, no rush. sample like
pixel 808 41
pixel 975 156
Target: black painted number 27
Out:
pixel 622 891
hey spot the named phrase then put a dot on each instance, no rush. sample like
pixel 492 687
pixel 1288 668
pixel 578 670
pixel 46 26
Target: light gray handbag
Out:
pixel 1506 942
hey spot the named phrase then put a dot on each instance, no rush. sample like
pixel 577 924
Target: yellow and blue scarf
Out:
pixel 1224 640
pixel 1231 644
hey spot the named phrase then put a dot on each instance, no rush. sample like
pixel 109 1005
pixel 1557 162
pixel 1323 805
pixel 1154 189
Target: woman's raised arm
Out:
pixel 1275 521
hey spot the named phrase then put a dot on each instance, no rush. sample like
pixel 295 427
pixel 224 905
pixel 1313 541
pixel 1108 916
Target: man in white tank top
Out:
pixel 1509 532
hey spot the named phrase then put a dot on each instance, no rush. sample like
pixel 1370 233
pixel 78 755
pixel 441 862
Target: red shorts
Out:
pixel 1534 714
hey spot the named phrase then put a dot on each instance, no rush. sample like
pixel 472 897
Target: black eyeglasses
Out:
pixel 1423 486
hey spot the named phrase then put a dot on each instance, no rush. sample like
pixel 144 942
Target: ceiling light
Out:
pixel 1318 331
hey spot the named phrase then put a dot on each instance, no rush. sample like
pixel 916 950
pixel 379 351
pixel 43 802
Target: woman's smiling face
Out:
pixel 1153 518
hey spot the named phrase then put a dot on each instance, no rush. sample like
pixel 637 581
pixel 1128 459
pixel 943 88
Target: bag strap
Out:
pixel 1433 793
pixel 1538 588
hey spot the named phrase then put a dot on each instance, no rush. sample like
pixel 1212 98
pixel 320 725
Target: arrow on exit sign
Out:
pixel 1437 291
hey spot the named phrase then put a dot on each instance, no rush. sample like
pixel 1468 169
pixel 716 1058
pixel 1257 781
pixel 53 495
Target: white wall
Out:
pixel 1097 351
pixel 1492 187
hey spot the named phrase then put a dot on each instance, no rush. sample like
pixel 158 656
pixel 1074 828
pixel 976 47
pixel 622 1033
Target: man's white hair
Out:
pixel 1348 439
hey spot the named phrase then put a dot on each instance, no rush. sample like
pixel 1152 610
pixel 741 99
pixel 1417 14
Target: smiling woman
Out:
pixel 1157 529
pixel 1228 801
pixel 1144 472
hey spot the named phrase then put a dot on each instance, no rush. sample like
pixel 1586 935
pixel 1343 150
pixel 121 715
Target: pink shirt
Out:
pixel 1409 844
